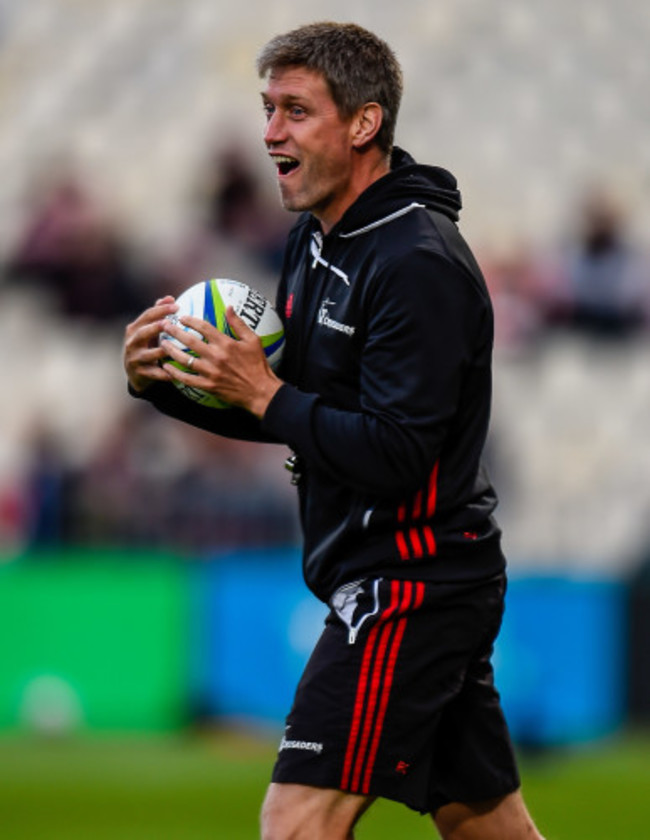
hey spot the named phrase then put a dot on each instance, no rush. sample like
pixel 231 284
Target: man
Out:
pixel 384 396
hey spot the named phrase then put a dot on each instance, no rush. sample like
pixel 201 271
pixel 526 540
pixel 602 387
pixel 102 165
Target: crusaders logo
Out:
pixel 288 307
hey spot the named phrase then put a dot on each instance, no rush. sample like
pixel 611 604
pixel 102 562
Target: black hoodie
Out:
pixel 387 367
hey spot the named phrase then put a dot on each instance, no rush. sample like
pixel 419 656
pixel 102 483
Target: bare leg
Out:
pixel 506 818
pixel 300 812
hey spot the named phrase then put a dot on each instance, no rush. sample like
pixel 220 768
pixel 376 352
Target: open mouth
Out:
pixel 285 164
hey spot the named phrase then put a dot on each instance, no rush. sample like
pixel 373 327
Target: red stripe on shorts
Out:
pixel 362 684
pixel 375 684
pixel 383 703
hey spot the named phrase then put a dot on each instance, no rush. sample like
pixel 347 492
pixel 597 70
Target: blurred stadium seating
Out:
pixel 570 439
pixel 526 103
pixel 142 102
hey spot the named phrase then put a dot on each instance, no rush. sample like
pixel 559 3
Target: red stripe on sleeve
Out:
pixel 418 551
pixel 432 497
pixel 430 540
pixel 402 546
pixel 417 505
pixel 419 595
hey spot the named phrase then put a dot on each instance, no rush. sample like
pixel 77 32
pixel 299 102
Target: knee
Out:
pixel 275 826
pixel 272 824
pixel 278 821
pixel 296 812
pixel 505 818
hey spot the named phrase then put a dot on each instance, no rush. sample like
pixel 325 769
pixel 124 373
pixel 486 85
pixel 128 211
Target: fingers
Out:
pixel 196 336
pixel 187 349
pixel 142 353
pixel 171 350
pixel 162 308
pixel 239 327
pixel 142 362
pixel 144 330
pixel 201 332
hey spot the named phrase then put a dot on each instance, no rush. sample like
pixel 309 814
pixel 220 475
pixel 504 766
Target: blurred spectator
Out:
pixel 14 515
pixel 240 232
pixel 70 249
pixel 152 484
pixel 604 284
pixel 214 495
pixel 45 489
pixel 237 208
pixel 513 280
pixel 157 485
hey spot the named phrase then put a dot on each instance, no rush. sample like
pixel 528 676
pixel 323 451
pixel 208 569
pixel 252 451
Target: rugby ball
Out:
pixel 209 300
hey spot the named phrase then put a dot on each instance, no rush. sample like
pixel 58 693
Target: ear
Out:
pixel 366 123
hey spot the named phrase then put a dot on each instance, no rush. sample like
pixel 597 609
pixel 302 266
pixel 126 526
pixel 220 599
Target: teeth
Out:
pixel 285 164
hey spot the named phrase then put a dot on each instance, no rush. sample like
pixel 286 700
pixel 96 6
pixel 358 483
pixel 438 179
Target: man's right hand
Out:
pixel 142 353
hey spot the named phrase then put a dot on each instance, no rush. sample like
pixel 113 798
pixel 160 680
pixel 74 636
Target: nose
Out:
pixel 274 132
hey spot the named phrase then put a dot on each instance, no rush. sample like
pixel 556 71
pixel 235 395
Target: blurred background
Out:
pixel 132 166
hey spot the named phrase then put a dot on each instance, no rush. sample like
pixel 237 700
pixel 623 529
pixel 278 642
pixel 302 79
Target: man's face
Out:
pixel 310 143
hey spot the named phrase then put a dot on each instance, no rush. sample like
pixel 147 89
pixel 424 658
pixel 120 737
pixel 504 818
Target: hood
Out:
pixel 407 185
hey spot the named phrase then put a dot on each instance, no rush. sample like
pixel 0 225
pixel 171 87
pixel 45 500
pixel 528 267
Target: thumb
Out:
pixel 239 327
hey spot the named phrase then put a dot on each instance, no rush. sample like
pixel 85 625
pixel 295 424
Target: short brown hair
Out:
pixel 356 64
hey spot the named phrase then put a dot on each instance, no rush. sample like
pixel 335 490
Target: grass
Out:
pixel 210 788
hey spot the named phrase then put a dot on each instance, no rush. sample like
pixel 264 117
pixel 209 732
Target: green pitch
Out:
pixel 209 787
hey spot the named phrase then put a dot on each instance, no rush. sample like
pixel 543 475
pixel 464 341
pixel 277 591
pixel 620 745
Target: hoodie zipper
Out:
pixel 308 293
pixel 316 247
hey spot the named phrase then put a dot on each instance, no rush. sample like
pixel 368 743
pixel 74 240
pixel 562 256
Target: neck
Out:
pixel 369 166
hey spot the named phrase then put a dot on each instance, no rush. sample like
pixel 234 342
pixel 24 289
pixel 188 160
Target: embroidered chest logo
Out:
pixel 325 319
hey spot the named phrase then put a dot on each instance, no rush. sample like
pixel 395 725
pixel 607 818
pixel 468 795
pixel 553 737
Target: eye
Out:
pixel 268 110
pixel 297 112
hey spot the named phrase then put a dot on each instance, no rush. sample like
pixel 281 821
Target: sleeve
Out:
pixel 227 422
pixel 424 316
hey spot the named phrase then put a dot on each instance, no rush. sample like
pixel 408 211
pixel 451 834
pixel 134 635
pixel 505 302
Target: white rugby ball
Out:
pixel 209 300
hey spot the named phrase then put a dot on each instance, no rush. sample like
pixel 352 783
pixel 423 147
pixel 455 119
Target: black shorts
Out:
pixel 398 697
